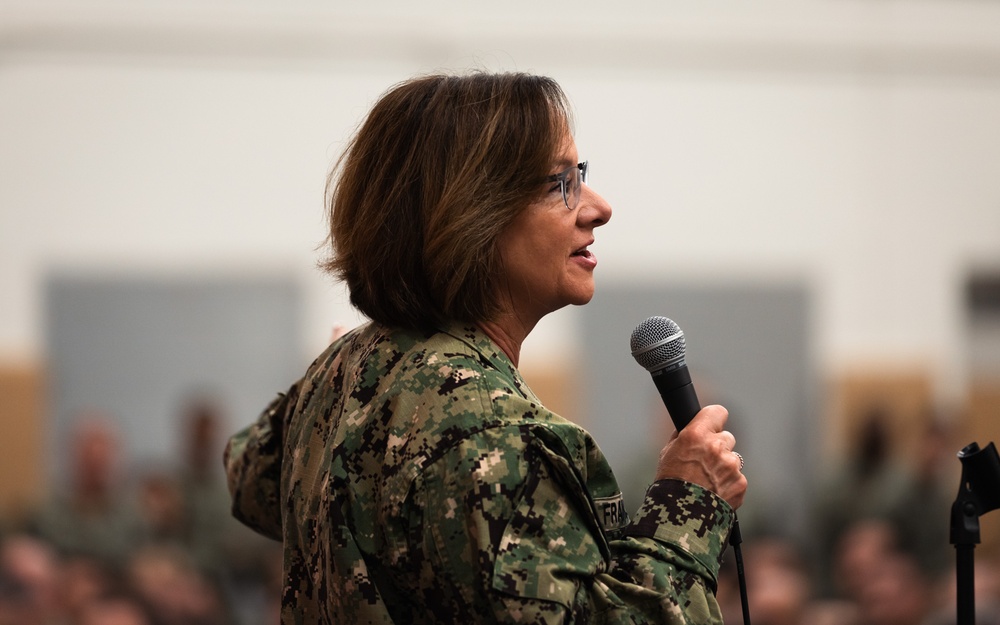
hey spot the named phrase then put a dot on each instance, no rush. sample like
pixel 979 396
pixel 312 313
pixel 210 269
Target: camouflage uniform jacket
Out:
pixel 415 478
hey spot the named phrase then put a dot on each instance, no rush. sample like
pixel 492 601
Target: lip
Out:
pixel 583 248
pixel 584 256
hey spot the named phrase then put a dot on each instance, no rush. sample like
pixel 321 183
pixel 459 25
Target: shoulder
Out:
pixel 443 378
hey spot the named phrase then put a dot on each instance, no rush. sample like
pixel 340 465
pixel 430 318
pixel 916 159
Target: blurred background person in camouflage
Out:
pixel 93 516
pixel 411 474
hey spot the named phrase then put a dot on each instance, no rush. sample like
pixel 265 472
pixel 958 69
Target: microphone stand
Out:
pixel 978 494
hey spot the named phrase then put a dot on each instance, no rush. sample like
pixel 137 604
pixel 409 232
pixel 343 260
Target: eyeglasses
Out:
pixel 570 181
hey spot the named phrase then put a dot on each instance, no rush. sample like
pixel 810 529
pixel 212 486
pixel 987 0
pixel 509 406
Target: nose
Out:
pixel 594 209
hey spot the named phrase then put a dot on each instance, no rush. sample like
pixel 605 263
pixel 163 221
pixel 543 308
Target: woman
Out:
pixel 411 473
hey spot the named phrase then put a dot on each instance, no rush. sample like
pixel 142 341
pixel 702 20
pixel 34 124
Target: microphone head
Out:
pixel 658 343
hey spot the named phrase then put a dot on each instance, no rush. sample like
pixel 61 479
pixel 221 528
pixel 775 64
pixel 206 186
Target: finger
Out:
pixel 739 458
pixel 728 440
pixel 713 417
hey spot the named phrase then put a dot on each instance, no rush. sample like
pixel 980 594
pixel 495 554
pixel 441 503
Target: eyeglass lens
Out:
pixel 572 184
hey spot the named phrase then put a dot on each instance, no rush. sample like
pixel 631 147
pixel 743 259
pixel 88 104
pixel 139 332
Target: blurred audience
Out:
pixel 29 582
pixel 987 594
pixel 895 592
pixel 241 561
pixel 778 584
pixel 176 591
pixel 163 518
pixel 94 516
pixel 114 609
pixel 866 485
pixel 857 554
pixel 83 581
pixel 163 549
pixel 154 546
pixel 923 514
pixel 202 482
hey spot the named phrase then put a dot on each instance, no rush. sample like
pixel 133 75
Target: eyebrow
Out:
pixel 563 164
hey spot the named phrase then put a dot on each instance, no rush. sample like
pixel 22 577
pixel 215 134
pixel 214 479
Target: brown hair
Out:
pixel 438 170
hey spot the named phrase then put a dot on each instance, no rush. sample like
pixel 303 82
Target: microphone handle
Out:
pixel 678 395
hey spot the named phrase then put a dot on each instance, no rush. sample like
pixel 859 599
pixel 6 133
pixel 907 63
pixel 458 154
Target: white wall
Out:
pixel 852 145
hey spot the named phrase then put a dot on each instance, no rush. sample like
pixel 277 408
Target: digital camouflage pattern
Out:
pixel 415 478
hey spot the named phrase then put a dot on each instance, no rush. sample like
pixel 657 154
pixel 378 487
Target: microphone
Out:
pixel 658 346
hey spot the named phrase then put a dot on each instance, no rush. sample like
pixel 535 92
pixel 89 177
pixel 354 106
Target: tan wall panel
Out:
pixel 905 395
pixel 23 426
pixel 557 389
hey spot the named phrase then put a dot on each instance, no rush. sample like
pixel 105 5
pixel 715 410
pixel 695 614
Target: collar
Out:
pixel 473 336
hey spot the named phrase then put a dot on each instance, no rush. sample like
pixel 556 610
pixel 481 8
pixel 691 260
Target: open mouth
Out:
pixel 583 251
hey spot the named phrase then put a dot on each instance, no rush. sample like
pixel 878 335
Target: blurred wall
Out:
pixel 748 349
pixel 851 147
pixel 145 353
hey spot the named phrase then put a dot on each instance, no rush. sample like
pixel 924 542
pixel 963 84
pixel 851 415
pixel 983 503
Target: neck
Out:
pixel 508 333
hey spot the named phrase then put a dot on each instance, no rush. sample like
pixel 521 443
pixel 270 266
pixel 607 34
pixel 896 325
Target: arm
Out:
pixel 253 467
pixel 512 533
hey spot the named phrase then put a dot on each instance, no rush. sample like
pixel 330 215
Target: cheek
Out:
pixel 532 248
pixel 523 243
pixel 517 258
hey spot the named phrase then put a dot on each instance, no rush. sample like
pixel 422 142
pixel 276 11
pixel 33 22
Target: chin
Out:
pixel 583 298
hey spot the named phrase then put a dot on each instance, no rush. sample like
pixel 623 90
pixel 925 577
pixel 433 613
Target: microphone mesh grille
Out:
pixel 657 343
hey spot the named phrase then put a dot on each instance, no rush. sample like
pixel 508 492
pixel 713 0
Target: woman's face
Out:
pixel 545 250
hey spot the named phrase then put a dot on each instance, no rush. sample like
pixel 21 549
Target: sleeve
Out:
pixel 511 526
pixel 252 459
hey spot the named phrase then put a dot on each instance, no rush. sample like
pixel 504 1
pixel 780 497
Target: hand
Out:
pixel 702 453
